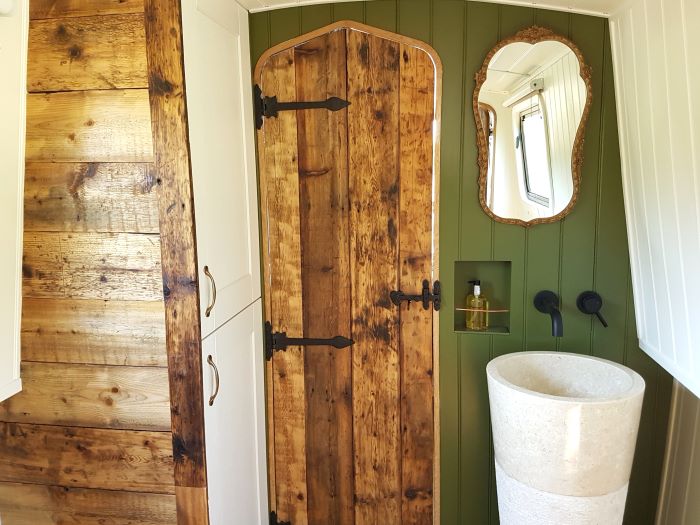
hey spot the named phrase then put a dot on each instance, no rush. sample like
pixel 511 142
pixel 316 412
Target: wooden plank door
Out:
pixel 349 214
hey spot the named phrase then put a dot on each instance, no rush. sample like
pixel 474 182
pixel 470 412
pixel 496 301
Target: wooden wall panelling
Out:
pixel 90 331
pixel 134 398
pixel 467 234
pixel 373 130
pixel 25 504
pixel 324 222
pixel 84 442
pixel 173 172
pixel 92 266
pixel 95 197
pixel 98 52
pixel 87 457
pixel 416 100
pixel 89 126
pixel 39 9
pixel 284 308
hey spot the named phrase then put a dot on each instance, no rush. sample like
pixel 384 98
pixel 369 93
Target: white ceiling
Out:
pixel 589 7
pixel 516 62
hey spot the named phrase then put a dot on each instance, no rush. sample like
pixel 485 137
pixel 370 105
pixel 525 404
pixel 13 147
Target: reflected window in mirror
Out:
pixel 537 83
pixel 532 147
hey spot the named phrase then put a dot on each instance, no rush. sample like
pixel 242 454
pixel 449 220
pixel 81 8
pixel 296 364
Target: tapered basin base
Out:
pixel 545 508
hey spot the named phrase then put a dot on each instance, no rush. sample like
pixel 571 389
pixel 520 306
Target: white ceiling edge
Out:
pixel 614 5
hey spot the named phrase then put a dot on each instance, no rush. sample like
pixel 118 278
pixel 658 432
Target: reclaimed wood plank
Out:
pixel 416 102
pixel 134 398
pixel 190 503
pixel 89 126
pixel 130 333
pixel 119 266
pixel 39 9
pixel 90 197
pixel 280 172
pixel 179 260
pixel 373 130
pixel 95 52
pixel 324 221
pixel 24 504
pixel 87 458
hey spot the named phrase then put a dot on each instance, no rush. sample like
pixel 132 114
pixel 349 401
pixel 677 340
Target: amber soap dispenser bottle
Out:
pixel 477 308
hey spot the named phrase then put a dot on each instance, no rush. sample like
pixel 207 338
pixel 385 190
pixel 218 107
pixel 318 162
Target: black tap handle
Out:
pixel 590 303
pixel 601 319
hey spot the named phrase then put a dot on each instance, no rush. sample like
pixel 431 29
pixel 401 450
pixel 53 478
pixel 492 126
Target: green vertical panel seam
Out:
pixel 431 21
pixel 651 501
pixel 625 348
pixel 269 29
pixel 461 135
pixel 560 275
pixel 525 287
pixel 599 175
pixel 397 17
pixel 561 224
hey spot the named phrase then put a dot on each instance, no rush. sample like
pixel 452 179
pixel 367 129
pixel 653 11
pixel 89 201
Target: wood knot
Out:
pixel 160 86
pixel 75 52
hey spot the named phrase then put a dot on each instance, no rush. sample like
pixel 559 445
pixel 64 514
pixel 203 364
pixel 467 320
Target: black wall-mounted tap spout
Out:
pixel 547 302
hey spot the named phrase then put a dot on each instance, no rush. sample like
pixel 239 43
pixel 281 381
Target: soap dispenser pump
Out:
pixel 477 308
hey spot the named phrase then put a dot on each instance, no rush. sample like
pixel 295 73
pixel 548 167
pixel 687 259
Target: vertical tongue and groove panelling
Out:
pixel 88 440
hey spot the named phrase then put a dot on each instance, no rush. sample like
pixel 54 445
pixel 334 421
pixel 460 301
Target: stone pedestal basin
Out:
pixel 564 432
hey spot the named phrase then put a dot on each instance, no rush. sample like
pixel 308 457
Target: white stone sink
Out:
pixel 564 430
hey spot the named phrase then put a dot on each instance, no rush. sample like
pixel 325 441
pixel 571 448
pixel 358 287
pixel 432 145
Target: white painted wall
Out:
pixel 13 61
pixel 564 97
pixel 657 81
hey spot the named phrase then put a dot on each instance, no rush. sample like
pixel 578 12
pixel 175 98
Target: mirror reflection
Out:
pixel 529 110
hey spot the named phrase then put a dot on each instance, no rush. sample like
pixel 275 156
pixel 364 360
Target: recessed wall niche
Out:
pixel 495 277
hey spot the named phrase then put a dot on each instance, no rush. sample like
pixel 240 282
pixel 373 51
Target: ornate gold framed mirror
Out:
pixel 537 87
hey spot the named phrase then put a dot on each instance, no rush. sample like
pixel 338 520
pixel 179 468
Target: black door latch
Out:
pixel 266 107
pixel 425 297
pixel 276 341
pixel 274 520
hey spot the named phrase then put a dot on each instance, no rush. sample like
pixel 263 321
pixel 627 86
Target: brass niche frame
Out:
pixel 532 35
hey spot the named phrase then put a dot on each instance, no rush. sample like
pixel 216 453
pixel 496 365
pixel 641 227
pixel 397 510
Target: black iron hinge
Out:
pixel 276 341
pixel 274 520
pixel 266 107
pixel 425 297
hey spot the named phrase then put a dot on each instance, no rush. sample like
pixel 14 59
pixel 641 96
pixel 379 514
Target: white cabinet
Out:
pixel 234 415
pixel 657 82
pixel 221 134
pixel 13 63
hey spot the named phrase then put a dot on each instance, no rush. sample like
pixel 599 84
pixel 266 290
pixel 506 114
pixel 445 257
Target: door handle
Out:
pixel 207 312
pixel 211 362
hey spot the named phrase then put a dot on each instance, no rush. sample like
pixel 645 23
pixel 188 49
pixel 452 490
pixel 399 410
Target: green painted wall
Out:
pixel 587 250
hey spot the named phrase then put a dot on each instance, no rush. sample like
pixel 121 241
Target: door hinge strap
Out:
pixel 276 341
pixel 274 520
pixel 266 107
